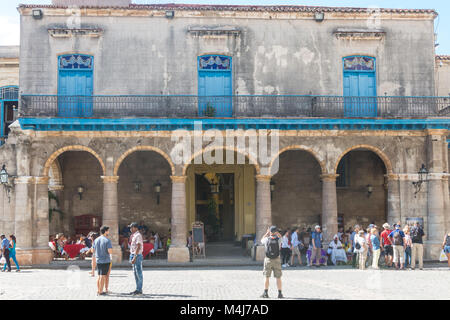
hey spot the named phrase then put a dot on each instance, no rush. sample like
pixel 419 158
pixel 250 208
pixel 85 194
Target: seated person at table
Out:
pixel 158 244
pixel 336 251
pixel 60 243
pixel 126 231
pixel 87 243
pixel 52 245
pixel 143 229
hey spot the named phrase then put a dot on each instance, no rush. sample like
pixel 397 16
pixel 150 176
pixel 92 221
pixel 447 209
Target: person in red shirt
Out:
pixel 386 244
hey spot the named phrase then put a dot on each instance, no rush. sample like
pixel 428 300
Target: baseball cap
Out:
pixel 273 229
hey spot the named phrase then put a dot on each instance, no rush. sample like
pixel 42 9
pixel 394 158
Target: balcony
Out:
pixel 242 106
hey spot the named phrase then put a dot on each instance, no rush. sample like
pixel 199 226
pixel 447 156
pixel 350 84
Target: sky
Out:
pixel 10 28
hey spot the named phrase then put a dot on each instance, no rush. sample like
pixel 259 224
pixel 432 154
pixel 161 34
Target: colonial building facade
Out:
pixel 347 97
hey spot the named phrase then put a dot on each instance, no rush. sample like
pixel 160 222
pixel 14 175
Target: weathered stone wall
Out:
pixel 443 76
pixel 364 168
pixel 272 54
pixel 297 199
pixel 80 169
pixel 148 168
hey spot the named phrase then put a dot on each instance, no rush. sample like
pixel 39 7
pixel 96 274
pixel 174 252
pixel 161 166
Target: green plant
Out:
pixel 210 110
pixel 52 196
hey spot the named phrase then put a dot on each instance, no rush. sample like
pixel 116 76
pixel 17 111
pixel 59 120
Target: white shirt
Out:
pixel 285 242
pixel 294 239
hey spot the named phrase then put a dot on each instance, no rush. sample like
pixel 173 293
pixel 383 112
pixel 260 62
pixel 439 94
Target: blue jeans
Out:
pixel 407 256
pixel 13 257
pixel 137 270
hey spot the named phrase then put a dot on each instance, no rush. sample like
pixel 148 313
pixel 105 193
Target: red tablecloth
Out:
pixel 73 249
pixel 147 248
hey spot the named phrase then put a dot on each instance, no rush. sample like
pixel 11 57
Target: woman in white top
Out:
pixel 285 250
pixel 363 248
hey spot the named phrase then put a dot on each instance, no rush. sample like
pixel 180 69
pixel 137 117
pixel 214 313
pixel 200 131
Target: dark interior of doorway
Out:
pixel 216 210
pixel 10 110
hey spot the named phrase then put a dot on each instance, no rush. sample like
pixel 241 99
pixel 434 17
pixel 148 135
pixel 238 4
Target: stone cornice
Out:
pixel 415 176
pixel 41 180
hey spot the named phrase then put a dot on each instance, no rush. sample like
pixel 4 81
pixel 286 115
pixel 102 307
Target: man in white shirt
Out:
pixel 295 247
pixel 136 258
pixel 272 261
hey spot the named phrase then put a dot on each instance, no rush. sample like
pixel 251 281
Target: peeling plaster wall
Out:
pixel 270 56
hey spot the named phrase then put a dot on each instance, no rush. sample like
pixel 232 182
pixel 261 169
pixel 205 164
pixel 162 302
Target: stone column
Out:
pixel 178 251
pixel 41 251
pixel 24 219
pixel 263 212
pixel 111 214
pixel 393 199
pixel 329 207
pixel 437 165
pixel 436 214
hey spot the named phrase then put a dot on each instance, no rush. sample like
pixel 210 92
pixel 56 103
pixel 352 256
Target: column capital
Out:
pixel 263 178
pixel 178 179
pixel 110 179
pixel 329 177
pixel 56 187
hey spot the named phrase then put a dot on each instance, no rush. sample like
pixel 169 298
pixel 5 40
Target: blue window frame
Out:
pixel 75 85
pixel 360 90
pixel 9 102
pixel 215 85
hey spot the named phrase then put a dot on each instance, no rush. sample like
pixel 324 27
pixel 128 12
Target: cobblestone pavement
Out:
pixel 241 283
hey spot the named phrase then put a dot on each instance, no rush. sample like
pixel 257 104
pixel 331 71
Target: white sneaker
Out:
pixel 284 265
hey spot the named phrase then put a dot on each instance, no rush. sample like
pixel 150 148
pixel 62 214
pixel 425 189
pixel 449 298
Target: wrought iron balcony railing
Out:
pixel 242 106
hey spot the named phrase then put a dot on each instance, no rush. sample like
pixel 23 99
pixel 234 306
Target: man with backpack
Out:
pixel 399 244
pixel 417 245
pixel 272 261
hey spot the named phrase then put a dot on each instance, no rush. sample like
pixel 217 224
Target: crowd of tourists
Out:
pixel 362 247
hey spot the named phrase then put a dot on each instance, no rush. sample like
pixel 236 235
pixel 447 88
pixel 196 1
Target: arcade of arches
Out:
pixel 232 200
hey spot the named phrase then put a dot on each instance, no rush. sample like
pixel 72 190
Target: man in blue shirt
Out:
pixel 5 251
pixel 397 238
pixel 103 250
pixel 316 251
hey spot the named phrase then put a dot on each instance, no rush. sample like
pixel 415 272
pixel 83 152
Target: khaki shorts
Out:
pixel 272 265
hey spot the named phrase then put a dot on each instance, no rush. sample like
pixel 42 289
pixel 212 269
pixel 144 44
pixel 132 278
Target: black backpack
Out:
pixel 272 248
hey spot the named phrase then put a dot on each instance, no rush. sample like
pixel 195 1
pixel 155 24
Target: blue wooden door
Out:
pixel 215 86
pixel 75 88
pixel 360 89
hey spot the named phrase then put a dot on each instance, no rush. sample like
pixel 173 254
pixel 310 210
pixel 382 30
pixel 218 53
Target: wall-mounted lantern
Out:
pixel 80 191
pixel 137 186
pixel 214 188
pixel 157 188
pixel 4 179
pixel 423 177
pixel 369 190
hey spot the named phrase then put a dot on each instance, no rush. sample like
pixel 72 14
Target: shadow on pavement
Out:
pixel 147 296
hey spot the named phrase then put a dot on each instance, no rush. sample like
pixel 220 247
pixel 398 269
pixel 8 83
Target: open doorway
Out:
pixel 214 201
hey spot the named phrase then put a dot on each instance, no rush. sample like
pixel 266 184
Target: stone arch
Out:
pixel 57 153
pixel 250 158
pixel 301 148
pixel 381 154
pixel 143 148
pixel 55 174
